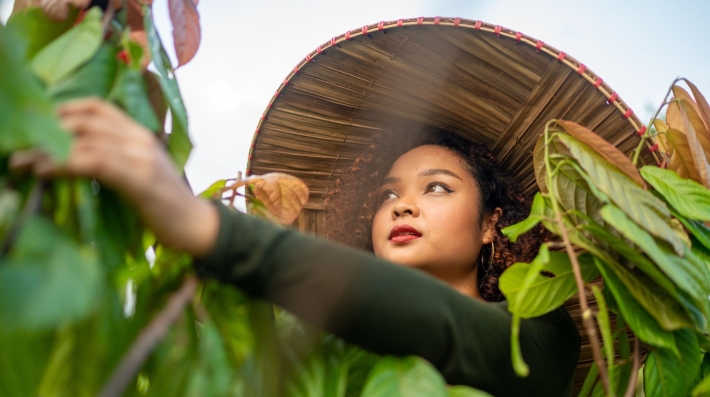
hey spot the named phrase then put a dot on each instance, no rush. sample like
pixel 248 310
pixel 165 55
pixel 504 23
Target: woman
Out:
pixel 438 204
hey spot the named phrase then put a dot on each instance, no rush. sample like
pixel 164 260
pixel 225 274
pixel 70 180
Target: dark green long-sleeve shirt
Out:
pixel 392 309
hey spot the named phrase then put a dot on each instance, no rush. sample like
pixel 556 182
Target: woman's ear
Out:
pixel 489 225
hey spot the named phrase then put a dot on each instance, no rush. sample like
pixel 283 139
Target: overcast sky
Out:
pixel 248 47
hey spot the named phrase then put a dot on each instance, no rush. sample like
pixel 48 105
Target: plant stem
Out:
pixel 31 208
pixel 586 311
pixel 148 339
pixel 631 388
pixel 637 152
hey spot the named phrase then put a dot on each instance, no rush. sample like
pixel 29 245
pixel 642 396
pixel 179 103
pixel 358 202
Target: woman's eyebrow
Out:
pixel 390 179
pixel 438 171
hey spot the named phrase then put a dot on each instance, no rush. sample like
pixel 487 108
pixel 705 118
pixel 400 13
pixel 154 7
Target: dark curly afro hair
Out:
pixel 352 202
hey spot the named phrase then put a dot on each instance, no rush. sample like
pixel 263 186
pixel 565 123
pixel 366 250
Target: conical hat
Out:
pixel 491 84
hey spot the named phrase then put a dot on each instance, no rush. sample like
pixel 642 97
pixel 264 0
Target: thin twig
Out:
pixel 637 152
pixel 148 339
pixel 108 16
pixel 586 311
pixel 31 208
pixel 631 388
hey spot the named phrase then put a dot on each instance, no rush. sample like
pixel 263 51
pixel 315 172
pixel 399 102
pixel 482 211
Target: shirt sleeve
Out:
pixel 391 309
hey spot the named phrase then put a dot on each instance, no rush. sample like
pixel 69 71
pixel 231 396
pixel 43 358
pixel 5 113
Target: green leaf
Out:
pixel 665 374
pixel 72 49
pixel 95 78
pixel 548 288
pixel 604 325
pixel 638 318
pixel 685 273
pixel 47 280
pixel 215 188
pixel 589 381
pixel 702 389
pixel 640 205
pixel 27 115
pixel 697 229
pixel 179 144
pixel 465 391
pixel 689 198
pixel 131 94
pixel 35 29
pixel 22 362
pixel 536 213
pixel 404 377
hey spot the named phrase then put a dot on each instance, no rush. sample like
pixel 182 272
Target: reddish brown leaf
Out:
pixel 55 9
pixel 283 195
pixel 702 104
pixel 690 121
pixel 604 148
pixel 186 29
pixel 681 160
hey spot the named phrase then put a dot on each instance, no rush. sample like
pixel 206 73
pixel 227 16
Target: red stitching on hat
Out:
pixel 320 49
pixel 612 97
pixel 257 131
pixel 295 69
pixel 364 29
pixel 653 148
pixel 598 82
pixel 285 82
pixel 332 42
pixel 518 36
pixel 497 30
pixel 263 116
pixel 457 21
pixel 308 57
pixel 347 35
pixel 400 22
pixel 249 158
pixel 538 45
pixel 582 68
pixel 478 25
pixel 641 131
pixel 420 20
pixel 561 56
pixel 436 20
pixel 381 25
pixel 628 113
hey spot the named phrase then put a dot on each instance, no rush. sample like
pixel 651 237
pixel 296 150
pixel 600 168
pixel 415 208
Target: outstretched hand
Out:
pixel 125 156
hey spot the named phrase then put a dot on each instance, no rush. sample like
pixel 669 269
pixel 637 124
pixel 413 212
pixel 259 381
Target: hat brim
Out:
pixel 490 84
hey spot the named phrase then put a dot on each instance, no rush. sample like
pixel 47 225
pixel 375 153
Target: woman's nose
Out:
pixel 405 207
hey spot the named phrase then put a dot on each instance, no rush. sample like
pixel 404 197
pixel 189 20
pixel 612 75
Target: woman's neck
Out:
pixel 464 280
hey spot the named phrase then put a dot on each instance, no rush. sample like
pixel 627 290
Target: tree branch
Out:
pixel 148 339
pixel 31 208
pixel 631 388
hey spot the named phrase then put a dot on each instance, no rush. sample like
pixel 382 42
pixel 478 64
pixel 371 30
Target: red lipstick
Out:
pixel 401 234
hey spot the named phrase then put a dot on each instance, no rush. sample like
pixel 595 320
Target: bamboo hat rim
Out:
pixel 632 123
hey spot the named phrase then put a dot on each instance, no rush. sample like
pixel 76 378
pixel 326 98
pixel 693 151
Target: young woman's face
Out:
pixel 428 216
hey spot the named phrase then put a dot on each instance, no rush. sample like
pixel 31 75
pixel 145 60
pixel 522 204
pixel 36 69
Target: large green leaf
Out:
pixel 697 229
pixel 130 93
pixel 686 274
pixel 95 78
pixel 404 377
pixel 179 144
pixel 71 50
pixel 548 289
pixel 689 198
pixel 668 375
pixel 27 115
pixel 640 205
pixel 604 324
pixel 47 280
pixel 637 317
pixel 36 29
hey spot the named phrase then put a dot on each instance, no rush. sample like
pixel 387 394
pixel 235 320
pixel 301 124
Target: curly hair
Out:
pixel 352 202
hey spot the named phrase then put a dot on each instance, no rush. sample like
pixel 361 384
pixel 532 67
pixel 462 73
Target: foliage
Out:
pixel 644 231
pixel 83 310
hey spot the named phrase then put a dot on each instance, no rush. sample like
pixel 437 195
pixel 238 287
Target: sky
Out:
pixel 637 46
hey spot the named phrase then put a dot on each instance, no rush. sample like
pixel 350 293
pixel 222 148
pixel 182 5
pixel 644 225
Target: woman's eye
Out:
pixel 387 194
pixel 437 187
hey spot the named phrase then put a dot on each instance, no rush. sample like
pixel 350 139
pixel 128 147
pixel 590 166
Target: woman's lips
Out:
pixel 401 234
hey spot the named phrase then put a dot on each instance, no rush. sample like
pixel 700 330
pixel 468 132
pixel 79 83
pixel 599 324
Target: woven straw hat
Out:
pixel 488 83
pixel 491 84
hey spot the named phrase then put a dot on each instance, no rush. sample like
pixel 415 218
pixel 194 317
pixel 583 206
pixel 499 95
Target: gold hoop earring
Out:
pixel 493 251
